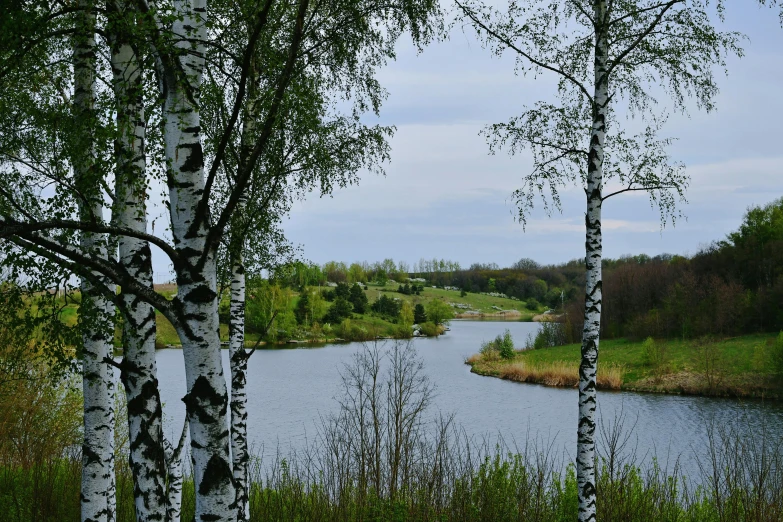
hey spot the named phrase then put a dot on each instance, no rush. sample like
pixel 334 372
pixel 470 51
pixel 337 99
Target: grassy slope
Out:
pixel 741 366
pixel 482 303
pixel 166 335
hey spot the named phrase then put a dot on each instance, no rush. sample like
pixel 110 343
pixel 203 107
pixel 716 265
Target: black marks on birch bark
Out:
pixel 195 159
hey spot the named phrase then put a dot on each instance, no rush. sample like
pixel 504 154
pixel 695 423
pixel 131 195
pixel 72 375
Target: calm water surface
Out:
pixel 290 389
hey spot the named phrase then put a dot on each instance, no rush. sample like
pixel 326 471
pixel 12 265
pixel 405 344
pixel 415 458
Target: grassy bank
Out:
pixel 732 367
pixel 495 486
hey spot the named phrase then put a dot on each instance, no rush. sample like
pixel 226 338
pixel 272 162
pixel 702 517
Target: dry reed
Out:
pixel 560 373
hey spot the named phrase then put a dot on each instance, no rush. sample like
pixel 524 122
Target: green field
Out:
pixel 737 366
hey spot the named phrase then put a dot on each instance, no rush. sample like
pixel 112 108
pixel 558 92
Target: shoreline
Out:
pixel 687 384
pixel 738 367
pixel 293 343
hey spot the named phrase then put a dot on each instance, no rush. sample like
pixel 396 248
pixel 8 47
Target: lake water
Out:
pixel 290 389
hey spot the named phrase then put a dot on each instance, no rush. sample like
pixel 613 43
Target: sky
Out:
pixel 443 195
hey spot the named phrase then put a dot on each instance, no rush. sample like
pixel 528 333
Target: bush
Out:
pixel 358 299
pixel 340 309
pixel 40 418
pixel 709 361
pixel 430 329
pixel 506 345
pixel 352 332
pixel 654 355
pixel 403 331
pixel 532 304
pixel 387 307
pixel 550 334
pixel 439 312
pixel 488 351
pixel 419 315
pixel 501 346
pixel 777 355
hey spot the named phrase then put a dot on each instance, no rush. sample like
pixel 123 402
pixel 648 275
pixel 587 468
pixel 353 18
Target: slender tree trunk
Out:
pixel 98 482
pixel 236 327
pixel 238 357
pixel 207 396
pixel 175 476
pixel 139 370
pixel 585 454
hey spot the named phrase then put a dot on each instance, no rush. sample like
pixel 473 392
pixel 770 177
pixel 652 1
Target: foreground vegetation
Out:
pixel 743 366
pixel 406 464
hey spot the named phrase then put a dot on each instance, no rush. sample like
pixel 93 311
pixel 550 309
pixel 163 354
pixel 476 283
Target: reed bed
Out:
pixel 560 373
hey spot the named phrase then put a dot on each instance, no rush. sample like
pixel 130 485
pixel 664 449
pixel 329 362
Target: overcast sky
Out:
pixel 444 196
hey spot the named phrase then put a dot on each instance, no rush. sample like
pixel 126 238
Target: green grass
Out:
pixel 478 302
pixel 165 332
pixel 736 366
pixel 69 314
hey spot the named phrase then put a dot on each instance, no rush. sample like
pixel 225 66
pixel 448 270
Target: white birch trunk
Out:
pixel 207 396
pixel 236 326
pixel 98 482
pixel 238 358
pixel 585 454
pixel 175 476
pixel 139 370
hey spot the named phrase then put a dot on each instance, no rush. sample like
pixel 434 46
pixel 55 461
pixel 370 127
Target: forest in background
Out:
pixel 729 287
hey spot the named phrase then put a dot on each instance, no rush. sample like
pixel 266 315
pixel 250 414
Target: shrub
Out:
pixel 710 362
pixel 403 331
pixel 777 355
pixel 352 332
pixel 654 355
pixel 419 315
pixel 439 312
pixel 488 351
pixel 501 346
pixel 550 334
pixel 302 307
pixel 506 345
pixel 358 299
pixel 40 418
pixel 532 304
pixel 340 309
pixel 430 329
pixel 387 307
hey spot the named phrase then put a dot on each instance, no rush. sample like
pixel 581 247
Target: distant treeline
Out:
pixel 524 280
pixel 730 287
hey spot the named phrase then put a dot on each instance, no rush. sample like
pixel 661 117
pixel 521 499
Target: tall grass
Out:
pixel 560 373
pixel 384 457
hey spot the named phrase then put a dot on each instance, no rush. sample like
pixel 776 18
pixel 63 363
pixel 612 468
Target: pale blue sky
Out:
pixel 444 196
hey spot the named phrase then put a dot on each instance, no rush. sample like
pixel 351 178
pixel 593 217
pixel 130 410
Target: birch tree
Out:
pixel 310 151
pixel 613 61
pixel 138 369
pixel 98 499
pixel 337 45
